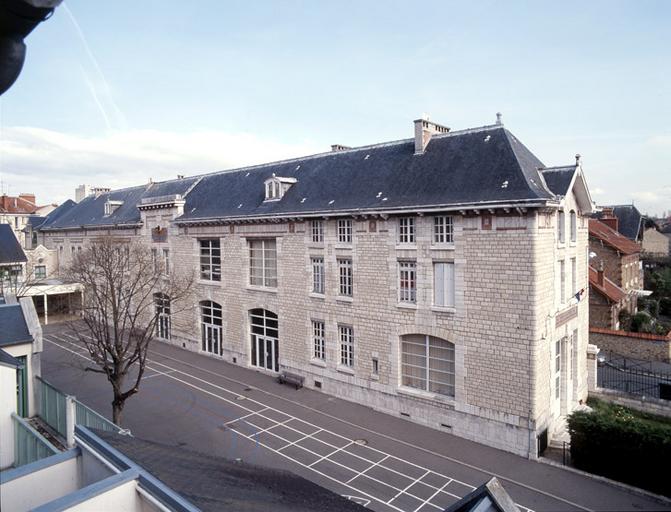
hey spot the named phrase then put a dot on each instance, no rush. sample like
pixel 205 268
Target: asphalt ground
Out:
pixel 381 461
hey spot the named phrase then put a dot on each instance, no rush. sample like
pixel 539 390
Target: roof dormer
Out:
pixel 111 206
pixel 276 187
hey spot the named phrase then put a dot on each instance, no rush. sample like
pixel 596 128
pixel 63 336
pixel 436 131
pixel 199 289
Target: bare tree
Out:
pixel 127 290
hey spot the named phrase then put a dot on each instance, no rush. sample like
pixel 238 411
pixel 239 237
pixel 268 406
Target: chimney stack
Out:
pixel 599 274
pixel 609 219
pixel 28 197
pixel 498 118
pixel 424 130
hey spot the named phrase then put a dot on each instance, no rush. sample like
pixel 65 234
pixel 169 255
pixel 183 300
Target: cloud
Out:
pixel 660 141
pixel 658 196
pixel 597 191
pixel 52 164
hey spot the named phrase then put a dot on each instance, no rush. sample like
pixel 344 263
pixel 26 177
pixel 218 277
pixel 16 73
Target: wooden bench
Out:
pixel 291 378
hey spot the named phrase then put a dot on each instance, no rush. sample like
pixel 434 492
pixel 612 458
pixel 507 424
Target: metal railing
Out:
pixel 53 407
pixel 639 378
pixel 29 444
pixel 53 410
pixel 89 418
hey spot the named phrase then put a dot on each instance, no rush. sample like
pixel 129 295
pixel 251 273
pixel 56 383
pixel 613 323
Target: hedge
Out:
pixel 622 444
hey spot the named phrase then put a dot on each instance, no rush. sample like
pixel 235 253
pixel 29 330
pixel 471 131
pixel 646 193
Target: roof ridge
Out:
pixel 570 167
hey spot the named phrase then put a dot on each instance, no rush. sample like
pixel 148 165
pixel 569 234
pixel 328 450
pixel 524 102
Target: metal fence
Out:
pixel 52 406
pixel 89 418
pixel 638 378
pixel 29 444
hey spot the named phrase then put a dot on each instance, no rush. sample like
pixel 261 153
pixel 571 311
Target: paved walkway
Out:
pixel 384 462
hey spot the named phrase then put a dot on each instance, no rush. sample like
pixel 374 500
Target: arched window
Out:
pixel 561 227
pixel 162 307
pixel 211 327
pixel 574 226
pixel 427 363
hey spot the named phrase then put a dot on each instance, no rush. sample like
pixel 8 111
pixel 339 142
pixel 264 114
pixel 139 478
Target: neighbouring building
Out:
pixel 636 227
pixel 438 277
pixel 83 191
pixel 12 259
pixel 616 273
pixel 15 212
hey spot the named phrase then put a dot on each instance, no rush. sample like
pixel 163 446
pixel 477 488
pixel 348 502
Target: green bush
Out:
pixel 665 306
pixel 622 444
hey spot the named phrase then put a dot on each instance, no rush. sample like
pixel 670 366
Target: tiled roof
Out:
pixel 220 485
pixel 485 165
pixel 10 248
pixel 10 204
pixel 611 237
pixel 558 179
pixel 609 289
pixel 14 328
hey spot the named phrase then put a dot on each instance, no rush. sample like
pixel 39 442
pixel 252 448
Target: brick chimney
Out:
pixel 608 217
pixel 424 130
pixel 599 274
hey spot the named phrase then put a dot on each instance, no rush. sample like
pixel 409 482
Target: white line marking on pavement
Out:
pixel 369 467
pixel 265 408
pixel 409 486
pixel 428 500
pixel 307 436
pixel 245 416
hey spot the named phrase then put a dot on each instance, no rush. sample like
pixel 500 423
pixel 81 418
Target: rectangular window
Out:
pixel 574 227
pixel 166 261
pixel 407 281
pixel 318 340
pixel 154 259
pixel 562 282
pixel 406 230
pixel 317 229
pixel 210 260
pixel 263 263
pixel 574 276
pixel 346 346
pixel 443 284
pixel 561 227
pixel 376 366
pixel 346 277
pixel 443 232
pixel 345 231
pixel 317 275
pixel 40 272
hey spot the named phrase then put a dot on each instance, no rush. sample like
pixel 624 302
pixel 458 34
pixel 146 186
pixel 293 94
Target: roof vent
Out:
pixel 498 118
pixel 577 159
pixel 339 147
pixel 424 130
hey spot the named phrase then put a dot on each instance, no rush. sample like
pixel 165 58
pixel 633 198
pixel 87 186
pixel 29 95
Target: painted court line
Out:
pixel 438 490
pixel 409 486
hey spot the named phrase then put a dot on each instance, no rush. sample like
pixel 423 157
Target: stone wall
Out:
pixel 636 345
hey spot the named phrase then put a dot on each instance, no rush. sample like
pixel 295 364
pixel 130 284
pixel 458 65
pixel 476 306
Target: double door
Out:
pixel 265 352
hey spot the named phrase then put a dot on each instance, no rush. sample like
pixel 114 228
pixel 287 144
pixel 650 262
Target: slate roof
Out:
pixel 613 238
pixel 14 328
pixel 558 179
pixel 90 211
pixel 33 222
pixel 628 219
pixel 7 360
pixel 10 248
pixel 476 167
pixel 609 289
pixel 217 484
pixel 489 497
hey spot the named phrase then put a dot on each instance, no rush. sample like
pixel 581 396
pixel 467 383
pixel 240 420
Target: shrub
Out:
pixel 623 444
pixel 665 306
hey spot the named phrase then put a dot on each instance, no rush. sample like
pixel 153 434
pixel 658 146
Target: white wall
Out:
pixel 40 487
pixel 123 498
pixel 7 407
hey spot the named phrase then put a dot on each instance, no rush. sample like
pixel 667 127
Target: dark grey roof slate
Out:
pixel 472 167
pixel 217 484
pixel 90 211
pixel 484 165
pixel 7 360
pixel 34 221
pixel 628 219
pixel 10 248
pixel 14 328
pixel 558 179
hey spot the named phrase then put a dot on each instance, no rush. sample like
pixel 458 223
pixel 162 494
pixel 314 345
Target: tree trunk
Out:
pixel 117 407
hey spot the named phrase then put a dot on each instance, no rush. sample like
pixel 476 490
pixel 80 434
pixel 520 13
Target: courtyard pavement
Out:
pixel 381 461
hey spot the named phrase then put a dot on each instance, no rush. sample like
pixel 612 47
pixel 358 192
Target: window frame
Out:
pixel 213 308
pixel 448 285
pixel 43 272
pixel 345 277
pixel 406 230
pixel 346 340
pixel 319 340
pixel 443 229
pixel 318 275
pixel 573 221
pixel 427 368
pixel 209 259
pixel 345 231
pixel 317 231
pixel 407 282
pixel 268 277
pixel 561 227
